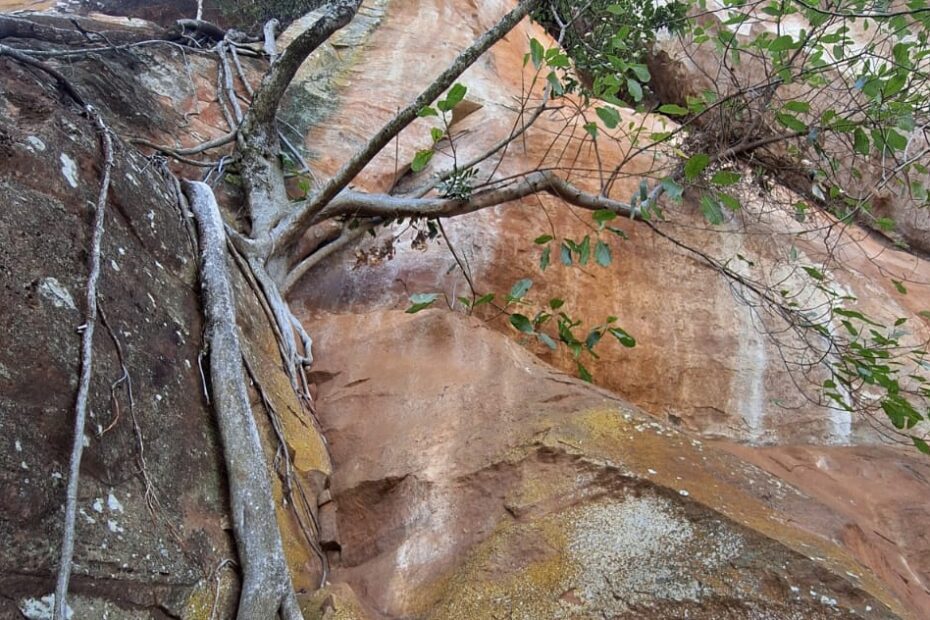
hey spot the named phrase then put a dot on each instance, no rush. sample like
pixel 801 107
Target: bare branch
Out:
pixel 32 62
pixel 301 268
pixel 265 105
pixel 361 204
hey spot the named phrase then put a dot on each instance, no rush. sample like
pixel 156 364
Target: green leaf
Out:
pixel 521 323
pixel 801 107
pixel 484 299
pixel 782 43
pixel 554 82
pixel 791 122
pixel 895 140
pixel 860 141
pixel 520 289
pixel 421 160
pixel 921 445
pixel 555 303
pixel 672 110
pixel 428 111
pixel 696 165
pixel 584 250
pixel 635 89
pixel 593 338
pixel 436 134
pixel 601 216
pixel 602 254
pixel 565 254
pixel 547 340
pixel 725 177
pixel 421 301
pixel 814 273
pixel 711 210
pixel 609 116
pixel 583 373
pixel 622 337
pixel 542 239
pixel 730 202
pixel 453 98
pixel 672 189
pixel 544 259
pixel 537 52
pixel 641 72
pixel 591 128
pixel 900 287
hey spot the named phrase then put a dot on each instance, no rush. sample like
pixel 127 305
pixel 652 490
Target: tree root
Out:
pixel 266 582
pixel 87 354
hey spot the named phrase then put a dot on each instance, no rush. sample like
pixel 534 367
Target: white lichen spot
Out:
pixel 98 505
pixel 23 465
pixel 87 517
pixel 826 600
pixel 52 290
pixel 151 216
pixel 56 475
pixel 69 170
pixel 113 503
pixel 42 609
pixel 18 445
pixel 152 299
pixel 113 265
pixel 683 493
pixel 652 472
pixel 34 144
pixel 121 251
pixel 86 440
pixel 114 526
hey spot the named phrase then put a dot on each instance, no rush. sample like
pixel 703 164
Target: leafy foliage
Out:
pixel 608 40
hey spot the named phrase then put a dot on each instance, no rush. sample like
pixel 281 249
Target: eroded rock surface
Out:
pixel 472 481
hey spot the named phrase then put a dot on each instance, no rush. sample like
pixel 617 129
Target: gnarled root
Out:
pixel 266 582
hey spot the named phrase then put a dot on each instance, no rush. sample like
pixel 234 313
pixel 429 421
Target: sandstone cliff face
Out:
pixel 469 479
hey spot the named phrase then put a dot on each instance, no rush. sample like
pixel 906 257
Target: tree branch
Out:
pixel 268 97
pixel 291 227
pixel 361 204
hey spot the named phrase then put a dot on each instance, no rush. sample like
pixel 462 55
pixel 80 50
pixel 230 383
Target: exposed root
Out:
pixel 228 84
pixel 87 354
pixel 151 496
pixel 271 26
pixel 310 531
pixel 266 582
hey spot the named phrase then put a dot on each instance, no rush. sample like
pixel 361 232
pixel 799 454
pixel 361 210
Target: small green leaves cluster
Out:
pixel 568 330
pixel 565 331
pixel 870 365
pixel 559 77
pixel 442 110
